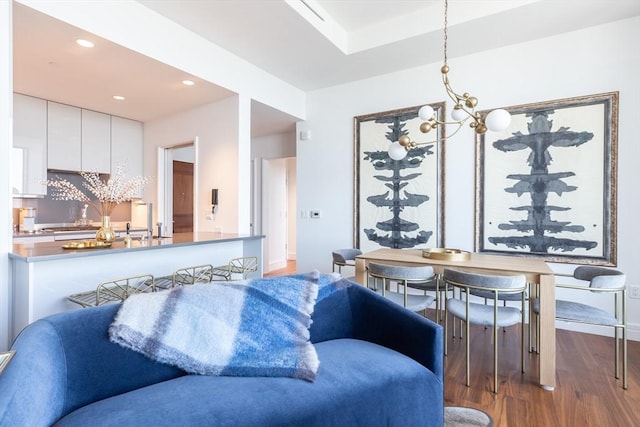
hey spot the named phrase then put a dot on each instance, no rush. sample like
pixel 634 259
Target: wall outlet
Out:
pixel 634 292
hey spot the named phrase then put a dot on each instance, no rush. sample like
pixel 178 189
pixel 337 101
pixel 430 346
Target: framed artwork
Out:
pixel 546 186
pixel 398 203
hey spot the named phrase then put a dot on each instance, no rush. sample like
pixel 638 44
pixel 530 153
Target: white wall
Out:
pixel 591 61
pixel 276 146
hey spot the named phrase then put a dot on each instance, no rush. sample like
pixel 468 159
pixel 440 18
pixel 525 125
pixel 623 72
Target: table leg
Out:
pixel 361 271
pixel 547 332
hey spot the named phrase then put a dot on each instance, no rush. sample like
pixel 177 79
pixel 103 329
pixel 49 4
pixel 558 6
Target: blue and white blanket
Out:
pixel 257 327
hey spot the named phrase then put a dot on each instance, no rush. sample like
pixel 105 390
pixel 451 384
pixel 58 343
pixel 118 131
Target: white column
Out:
pixel 6 141
pixel 244 164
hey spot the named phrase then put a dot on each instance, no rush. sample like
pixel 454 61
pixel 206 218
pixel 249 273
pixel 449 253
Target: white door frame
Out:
pixel 165 186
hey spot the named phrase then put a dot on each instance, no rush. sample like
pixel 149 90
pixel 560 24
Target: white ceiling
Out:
pixel 336 42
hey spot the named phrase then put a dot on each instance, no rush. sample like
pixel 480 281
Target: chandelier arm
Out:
pixel 414 144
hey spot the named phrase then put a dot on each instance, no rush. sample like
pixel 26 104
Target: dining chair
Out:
pixel 496 315
pixel 433 285
pixel 403 276
pixel 607 282
pixel 344 258
pixel 241 266
pixel 186 276
pixel 502 297
pixel 116 290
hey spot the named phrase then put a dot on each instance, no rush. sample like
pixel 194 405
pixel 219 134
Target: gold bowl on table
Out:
pixel 86 244
pixel 447 254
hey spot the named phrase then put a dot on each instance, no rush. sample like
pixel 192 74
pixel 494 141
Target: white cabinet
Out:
pixel 127 138
pixel 96 142
pixel 29 153
pixel 64 137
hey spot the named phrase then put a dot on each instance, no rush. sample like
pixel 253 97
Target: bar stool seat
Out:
pixel 186 276
pixel 116 290
pixel 241 265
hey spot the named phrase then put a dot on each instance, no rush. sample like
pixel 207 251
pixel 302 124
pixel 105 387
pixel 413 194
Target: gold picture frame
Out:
pixel 546 186
pixel 398 203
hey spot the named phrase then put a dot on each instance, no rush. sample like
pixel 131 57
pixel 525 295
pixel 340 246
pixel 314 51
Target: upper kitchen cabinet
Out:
pixel 64 137
pixel 96 142
pixel 29 155
pixel 127 146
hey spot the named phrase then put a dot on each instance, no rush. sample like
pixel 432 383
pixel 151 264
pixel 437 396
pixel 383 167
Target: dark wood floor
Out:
pixel 586 393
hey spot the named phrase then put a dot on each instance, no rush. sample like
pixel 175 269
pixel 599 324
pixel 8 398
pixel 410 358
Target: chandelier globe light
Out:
pixel 464 110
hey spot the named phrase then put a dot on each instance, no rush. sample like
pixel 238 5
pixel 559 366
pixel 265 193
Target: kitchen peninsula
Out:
pixel 44 274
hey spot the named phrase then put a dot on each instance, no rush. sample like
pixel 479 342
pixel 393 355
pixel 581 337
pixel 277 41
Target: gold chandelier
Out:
pixel 463 110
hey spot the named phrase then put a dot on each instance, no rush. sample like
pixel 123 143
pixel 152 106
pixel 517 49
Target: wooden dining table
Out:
pixel 536 271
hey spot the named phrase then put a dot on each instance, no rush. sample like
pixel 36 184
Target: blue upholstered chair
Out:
pixel 403 275
pixel 605 281
pixel 495 315
pixel 344 258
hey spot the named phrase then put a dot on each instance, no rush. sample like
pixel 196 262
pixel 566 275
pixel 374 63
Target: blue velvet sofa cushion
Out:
pixel 359 384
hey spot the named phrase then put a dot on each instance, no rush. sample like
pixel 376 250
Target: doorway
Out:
pixel 177 169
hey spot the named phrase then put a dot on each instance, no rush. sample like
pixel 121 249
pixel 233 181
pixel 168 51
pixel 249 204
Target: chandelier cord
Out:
pixel 446 24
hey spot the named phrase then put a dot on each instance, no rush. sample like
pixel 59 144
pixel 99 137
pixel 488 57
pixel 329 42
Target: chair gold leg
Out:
pixel 446 324
pixel 624 357
pixel 617 352
pixel 467 347
pixel 495 352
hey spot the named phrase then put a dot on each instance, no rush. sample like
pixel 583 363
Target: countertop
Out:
pixel 45 251
pixel 52 231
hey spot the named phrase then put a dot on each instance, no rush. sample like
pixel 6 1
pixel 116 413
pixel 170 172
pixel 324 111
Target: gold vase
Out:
pixel 105 233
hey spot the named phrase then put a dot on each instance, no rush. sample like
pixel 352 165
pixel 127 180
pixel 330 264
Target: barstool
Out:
pixel 186 276
pixel 116 290
pixel 240 265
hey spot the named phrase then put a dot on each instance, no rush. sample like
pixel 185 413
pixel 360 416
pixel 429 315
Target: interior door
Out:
pixel 182 197
pixel 274 213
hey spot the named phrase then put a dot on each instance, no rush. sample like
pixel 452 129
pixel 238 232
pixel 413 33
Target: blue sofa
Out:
pixel 380 365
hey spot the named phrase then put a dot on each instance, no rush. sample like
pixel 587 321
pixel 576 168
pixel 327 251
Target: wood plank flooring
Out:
pixel 586 393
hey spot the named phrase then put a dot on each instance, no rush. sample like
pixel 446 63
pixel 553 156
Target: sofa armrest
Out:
pixel 33 385
pixel 380 321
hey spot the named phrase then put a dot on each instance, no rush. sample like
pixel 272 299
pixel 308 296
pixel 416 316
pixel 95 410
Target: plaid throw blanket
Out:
pixel 258 327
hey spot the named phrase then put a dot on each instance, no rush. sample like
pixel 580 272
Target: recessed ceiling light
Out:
pixel 84 43
pixel 118 97
pixel 188 82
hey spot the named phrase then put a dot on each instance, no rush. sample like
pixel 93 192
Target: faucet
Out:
pixel 159 230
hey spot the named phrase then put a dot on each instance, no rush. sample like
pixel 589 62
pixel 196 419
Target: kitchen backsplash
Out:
pixel 51 211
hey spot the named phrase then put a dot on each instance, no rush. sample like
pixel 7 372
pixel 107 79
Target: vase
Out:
pixel 105 233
